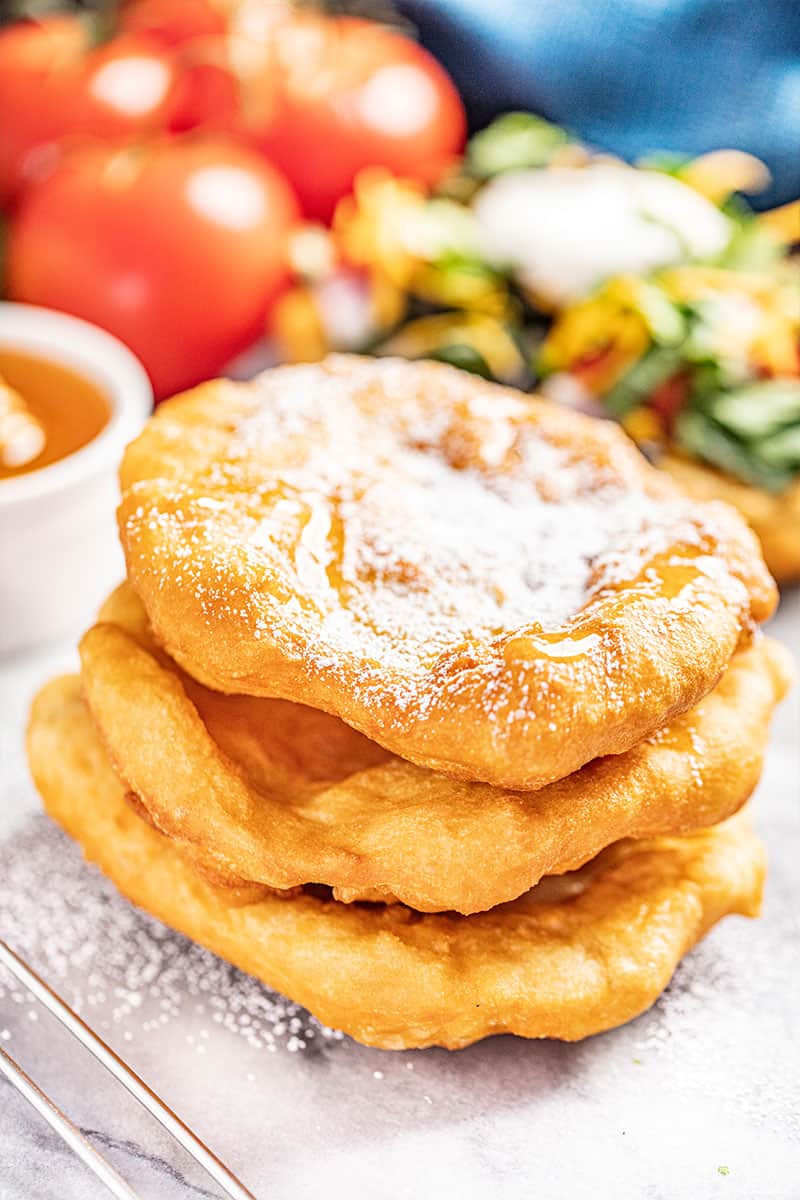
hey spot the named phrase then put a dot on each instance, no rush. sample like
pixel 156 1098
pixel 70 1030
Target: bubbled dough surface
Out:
pixel 420 552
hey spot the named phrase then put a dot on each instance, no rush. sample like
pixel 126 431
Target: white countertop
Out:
pixel 709 1079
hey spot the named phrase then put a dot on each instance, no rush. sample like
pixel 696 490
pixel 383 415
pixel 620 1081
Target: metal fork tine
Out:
pixel 231 1186
pixel 65 1129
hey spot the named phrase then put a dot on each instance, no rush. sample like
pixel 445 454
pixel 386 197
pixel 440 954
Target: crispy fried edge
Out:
pixel 460 847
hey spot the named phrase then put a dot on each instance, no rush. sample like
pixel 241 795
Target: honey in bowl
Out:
pixel 50 411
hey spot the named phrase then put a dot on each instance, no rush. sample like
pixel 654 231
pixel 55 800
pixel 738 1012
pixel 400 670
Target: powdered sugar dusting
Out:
pixel 401 515
pixel 105 956
pixel 468 520
pixel 742 964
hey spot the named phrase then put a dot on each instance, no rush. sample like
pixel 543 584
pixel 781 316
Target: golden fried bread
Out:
pixel 575 956
pixel 775 519
pixel 485 584
pixel 260 790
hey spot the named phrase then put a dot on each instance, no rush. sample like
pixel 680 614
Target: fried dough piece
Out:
pixel 775 519
pixel 230 888
pixel 272 792
pixel 575 956
pixel 483 583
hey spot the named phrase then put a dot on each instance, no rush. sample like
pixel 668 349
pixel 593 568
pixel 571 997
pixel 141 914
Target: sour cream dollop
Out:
pixel 563 230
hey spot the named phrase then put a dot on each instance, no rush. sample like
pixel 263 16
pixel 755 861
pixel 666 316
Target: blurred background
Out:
pixel 685 76
pixel 597 200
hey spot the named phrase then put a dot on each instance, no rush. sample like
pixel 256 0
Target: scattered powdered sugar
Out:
pixel 717 1037
pixel 105 956
pixel 729 983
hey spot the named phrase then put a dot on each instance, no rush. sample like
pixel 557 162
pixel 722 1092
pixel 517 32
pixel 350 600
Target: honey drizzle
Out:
pixel 72 409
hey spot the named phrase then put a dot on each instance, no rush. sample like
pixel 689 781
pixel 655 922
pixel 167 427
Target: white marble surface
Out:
pixel 709 1079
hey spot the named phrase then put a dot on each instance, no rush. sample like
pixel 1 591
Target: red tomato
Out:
pixel 207 98
pixel 54 87
pixel 173 22
pixel 176 246
pixel 35 56
pixel 207 94
pixel 333 95
pixel 125 88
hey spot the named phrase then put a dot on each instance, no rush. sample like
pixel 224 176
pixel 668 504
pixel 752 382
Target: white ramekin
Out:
pixel 59 553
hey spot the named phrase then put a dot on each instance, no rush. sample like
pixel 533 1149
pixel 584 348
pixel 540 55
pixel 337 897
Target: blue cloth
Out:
pixel 633 76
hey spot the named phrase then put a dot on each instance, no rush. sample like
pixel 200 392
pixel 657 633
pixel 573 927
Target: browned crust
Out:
pixel 566 968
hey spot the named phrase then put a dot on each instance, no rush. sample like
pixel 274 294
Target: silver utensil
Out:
pixel 180 1131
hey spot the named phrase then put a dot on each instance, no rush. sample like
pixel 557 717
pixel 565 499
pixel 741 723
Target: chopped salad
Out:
pixel 650 292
